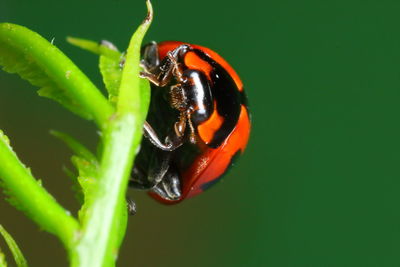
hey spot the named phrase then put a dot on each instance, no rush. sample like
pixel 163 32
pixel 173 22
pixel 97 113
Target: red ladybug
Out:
pixel 199 104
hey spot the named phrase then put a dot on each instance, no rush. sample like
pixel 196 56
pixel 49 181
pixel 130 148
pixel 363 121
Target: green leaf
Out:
pixel 76 187
pixel 3 262
pixel 87 179
pixel 109 51
pixel 109 63
pixel 85 44
pixel 87 165
pixel 111 71
pixel 16 252
pixel 36 60
pixel 79 149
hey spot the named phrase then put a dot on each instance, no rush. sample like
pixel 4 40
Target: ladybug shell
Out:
pixel 223 136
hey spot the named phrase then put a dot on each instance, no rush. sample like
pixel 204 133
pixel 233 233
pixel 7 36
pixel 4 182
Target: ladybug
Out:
pixel 198 104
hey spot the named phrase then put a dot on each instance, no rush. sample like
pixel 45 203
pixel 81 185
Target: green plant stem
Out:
pixel 98 246
pixel 33 199
pixel 102 231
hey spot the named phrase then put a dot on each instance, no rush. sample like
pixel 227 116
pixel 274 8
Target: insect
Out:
pixel 199 105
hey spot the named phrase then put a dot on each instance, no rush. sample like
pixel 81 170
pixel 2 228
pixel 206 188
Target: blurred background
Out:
pixel 319 183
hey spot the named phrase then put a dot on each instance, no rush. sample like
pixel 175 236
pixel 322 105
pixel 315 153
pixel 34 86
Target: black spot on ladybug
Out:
pixel 243 98
pixel 228 99
pixel 245 103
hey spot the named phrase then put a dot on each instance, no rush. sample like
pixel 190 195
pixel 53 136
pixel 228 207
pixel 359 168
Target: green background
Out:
pixel 319 183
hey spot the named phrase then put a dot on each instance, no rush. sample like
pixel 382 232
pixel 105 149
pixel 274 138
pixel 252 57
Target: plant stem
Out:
pixel 102 231
pixel 98 246
pixel 32 198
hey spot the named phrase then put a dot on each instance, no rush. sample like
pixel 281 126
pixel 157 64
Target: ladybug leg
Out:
pixel 151 65
pixel 177 69
pixel 157 168
pixel 175 140
pixel 164 182
pixel 180 127
pixel 160 77
pixel 138 180
pixel 161 179
pixel 131 206
pixel 170 187
pixel 151 77
pixel 161 73
pixel 157 73
pixel 171 143
pixel 192 131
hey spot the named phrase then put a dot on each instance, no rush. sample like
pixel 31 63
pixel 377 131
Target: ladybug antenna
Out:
pixel 192 131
